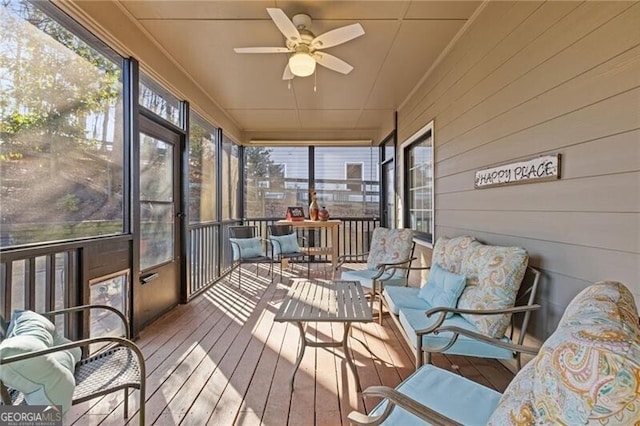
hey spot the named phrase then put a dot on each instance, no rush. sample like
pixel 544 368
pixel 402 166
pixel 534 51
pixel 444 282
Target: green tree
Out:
pixel 60 111
pixel 259 168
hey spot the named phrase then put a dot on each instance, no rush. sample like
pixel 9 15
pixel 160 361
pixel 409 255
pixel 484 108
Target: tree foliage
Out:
pixel 51 81
pixel 61 134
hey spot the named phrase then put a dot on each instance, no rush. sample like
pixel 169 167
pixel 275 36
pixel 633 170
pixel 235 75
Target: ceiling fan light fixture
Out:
pixel 302 64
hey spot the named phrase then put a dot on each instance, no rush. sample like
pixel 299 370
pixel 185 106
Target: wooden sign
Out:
pixel 534 170
pixel 295 214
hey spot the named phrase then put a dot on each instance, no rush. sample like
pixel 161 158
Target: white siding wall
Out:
pixel 533 78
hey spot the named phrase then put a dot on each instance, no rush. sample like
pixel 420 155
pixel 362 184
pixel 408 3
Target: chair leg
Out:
pixel 380 306
pixel 126 403
pixel 142 401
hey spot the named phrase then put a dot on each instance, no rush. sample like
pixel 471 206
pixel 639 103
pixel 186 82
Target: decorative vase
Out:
pixel 323 214
pixel 313 207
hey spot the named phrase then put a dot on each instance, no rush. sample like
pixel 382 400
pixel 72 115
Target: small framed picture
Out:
pixel 295 213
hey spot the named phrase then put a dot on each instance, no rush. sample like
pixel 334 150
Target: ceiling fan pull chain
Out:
pixel 315 80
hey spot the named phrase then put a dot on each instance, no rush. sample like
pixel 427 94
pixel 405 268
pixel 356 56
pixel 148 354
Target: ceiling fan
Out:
pixel 305 47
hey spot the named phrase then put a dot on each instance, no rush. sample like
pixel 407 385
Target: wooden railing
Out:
pixel 210 256
pixel 49 277
pixel 42 279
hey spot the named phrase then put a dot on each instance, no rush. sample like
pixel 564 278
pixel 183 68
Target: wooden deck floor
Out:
pixel 221 360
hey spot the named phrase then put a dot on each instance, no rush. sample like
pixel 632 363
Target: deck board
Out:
pixel 222 360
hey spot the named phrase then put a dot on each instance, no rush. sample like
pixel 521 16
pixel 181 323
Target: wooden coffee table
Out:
pixel 324 301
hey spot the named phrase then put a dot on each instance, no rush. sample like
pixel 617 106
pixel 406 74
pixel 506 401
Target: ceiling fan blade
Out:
pixel 284 24
pixel 287 75
pixel 261 50
pixel 332 62
pixel 337 36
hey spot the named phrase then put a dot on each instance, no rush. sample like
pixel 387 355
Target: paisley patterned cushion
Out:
pixel 494 275
pixel 389 246
pixel 587 372
pixel 449 252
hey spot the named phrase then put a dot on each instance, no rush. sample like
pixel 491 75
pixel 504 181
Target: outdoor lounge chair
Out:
pixel 389 250
pixel 490 292
pixel 284 245
pixel 586 372
pixel 118 365
pixel 248 247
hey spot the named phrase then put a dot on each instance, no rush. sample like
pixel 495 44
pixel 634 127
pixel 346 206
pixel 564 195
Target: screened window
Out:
pixel 345 188
pixel 202 170
pixel 230 179
pixel 61 130
pixel 157 99
pixel 354 177
pixel 276 178
pixel 418 175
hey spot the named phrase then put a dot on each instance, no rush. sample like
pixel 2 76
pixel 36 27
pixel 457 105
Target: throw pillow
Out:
pixel 443 288
pixel 284 244
pixel 389 246
pixel 449 252
pixel 494 275
pixel 44 380
pixel 246 248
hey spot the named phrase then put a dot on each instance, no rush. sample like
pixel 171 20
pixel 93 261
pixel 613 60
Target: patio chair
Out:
pixel 389 250
pixel 482 296
pixel 285 245
pixel 248 247
pixel 585 373
pixel 38 367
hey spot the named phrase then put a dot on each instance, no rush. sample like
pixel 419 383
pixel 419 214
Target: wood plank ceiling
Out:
pixel 401 42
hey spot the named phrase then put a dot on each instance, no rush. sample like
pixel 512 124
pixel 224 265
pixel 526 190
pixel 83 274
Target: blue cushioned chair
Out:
pixel 426 326
pixel 580 375
pixel 118 366
pixel 248 247
pixel 389 250
pixel 285 245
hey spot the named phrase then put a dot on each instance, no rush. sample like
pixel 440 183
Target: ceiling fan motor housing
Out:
pixel 306 37
pixel 301 21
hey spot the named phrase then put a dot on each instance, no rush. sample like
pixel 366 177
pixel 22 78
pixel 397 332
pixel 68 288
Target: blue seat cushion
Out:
pixel 451 395
pixel 365 276
pixel 403 297
pixel 415 319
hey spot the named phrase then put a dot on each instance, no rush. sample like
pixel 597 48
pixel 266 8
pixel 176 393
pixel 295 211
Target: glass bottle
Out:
pixel 313 207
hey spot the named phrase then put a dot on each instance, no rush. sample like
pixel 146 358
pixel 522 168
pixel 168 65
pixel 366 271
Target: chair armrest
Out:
pixel 345 257
pixel 395 398
pixel 478 336
pixel 513 310
pixel 442 311
pixel 125 321
pixel 80 343
pixel 390 267
pixel 414 268
pixel 394 264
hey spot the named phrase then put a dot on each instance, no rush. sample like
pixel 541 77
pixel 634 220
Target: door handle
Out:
pixel 147 278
